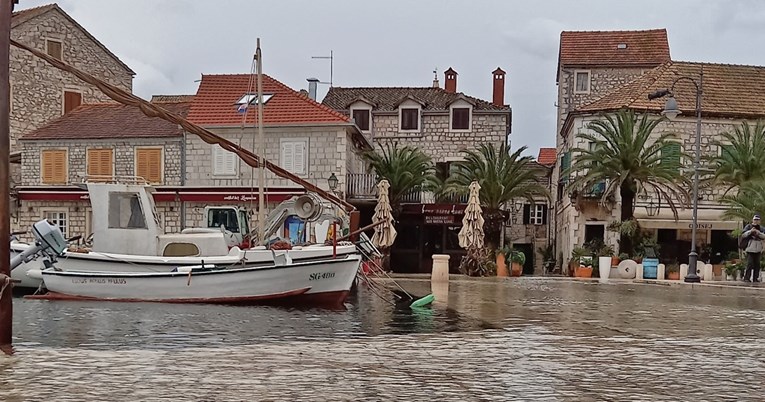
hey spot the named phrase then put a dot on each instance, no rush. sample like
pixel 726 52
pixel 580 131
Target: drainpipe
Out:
pixel 183 179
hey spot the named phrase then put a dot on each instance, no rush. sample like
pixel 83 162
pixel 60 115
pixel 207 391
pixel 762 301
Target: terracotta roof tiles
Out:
pixel 547 156
pixel 388 98
pixel 613 48
pixel 215 103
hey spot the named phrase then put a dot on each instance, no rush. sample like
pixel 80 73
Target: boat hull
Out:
pixel 109 262
pixel 314 282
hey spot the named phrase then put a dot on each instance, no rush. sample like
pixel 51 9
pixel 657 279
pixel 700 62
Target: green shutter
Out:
pixel 670 154
pixel 565 163
pixel 726 151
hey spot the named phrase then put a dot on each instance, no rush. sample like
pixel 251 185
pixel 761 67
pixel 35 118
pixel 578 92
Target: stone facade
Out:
pixel 37 88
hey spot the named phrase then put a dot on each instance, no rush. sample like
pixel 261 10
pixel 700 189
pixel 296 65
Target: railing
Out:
pixel 361 186
pixel 596 191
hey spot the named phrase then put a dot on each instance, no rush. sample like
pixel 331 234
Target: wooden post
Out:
pixel 355 222
pixel 334 239
pixel 6 302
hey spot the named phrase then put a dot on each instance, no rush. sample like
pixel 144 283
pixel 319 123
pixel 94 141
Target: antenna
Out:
pixel 331 66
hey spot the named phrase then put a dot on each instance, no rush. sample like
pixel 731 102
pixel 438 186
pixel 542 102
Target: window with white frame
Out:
pixel 581 82
pixel 534 214
pixel 294 155
pixel 225 163
pixel 362 118
pixel 410 119
pixel 460 118
pixel 60 219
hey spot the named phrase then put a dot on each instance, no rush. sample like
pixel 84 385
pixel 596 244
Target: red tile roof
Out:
pixel 648 48
pixel 215 103
pixel 107 120
pixel 547 156
pixel 388 98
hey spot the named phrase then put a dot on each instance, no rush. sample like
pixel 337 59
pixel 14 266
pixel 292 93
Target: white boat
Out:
pixel 127 237
pixel 324 283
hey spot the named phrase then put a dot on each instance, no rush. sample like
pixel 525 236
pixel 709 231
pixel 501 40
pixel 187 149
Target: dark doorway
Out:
pixel 722 244
pixel 592 232
pixel 528 251
pixel 667 241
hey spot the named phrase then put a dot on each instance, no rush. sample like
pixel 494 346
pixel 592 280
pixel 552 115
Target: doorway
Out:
pixel 592 232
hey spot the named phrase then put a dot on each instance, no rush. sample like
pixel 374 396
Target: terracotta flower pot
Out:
pixel 517 269
pixel 583 272
pixel 501 266
pixel 615 261
pixel 673 276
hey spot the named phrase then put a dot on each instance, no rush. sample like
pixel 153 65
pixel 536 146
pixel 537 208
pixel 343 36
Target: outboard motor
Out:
pixel 49 242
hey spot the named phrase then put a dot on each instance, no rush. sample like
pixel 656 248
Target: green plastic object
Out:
pixel 423 301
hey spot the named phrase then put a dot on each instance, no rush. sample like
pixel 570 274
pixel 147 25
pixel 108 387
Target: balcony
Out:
pixel 363 187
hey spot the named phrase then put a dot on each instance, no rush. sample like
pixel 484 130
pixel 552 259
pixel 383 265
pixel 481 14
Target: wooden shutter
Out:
pixel 670 154
pixel 54 169
pixel 224 162
pixel 288 156
pixel 149 164
pixel 100 164
pixel 726 151
pixel 300 158
pixel 362 119
pixel 544 214
pixel 565 162
pixel 460 118
pixel 71 100
pixel 54 49
pixel 526 214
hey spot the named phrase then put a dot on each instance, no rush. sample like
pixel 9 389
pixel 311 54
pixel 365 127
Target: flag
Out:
pixel 242 108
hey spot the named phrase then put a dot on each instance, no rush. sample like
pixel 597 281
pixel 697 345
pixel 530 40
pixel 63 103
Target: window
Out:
pixel 582 82
pixel 534 214
pixel 71 100
pixel 252 99
pixel 58 218
pixel 565 162
pixel 148 164
pixel 361 116
pixel 461 118
pixel 670 154
pixel 54 48
pixel 410 119
pixel 224 162
pixel 294 155
pixel 54 166
pixel 125 211
pixel 100 164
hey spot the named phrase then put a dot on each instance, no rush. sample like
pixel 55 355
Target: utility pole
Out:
pixel 6 302
pixel 262 148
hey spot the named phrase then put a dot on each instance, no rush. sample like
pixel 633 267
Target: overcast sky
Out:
pixel 170 43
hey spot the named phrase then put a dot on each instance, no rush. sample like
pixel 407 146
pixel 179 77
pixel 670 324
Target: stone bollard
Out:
pixel 709 274
pixel 639 271
pixel 440 268
pixel 683 271
pixel 660 272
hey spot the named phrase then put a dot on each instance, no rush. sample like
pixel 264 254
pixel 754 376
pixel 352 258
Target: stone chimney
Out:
pixel 450 81
pixel 436 84
pixel 499 87
pixel 313 83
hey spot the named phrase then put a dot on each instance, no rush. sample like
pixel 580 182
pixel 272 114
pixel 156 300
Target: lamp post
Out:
pixel 332 182
pixel 651 209
pixel 671 111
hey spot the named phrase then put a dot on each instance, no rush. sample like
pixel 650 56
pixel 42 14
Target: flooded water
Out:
pixel 523 339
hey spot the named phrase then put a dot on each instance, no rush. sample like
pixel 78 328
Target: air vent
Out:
pixel 621 46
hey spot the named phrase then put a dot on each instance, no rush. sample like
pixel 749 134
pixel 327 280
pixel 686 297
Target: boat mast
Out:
pixel 261 146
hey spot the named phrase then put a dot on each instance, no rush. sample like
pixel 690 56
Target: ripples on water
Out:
pixel 524 339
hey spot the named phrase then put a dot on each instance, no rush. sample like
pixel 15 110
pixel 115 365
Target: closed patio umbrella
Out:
pixel 471 234
pixel 385 233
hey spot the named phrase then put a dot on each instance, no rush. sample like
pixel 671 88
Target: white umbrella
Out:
pixel 471 234
pixel 385 233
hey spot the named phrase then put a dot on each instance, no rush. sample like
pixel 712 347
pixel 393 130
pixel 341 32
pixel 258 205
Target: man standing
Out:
pixel 754 236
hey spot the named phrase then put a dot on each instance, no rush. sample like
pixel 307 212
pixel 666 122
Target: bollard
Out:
pixel 639 271
pixel 660 272
pixel 709 274
pixel 440 291
pixel 604 267
pixel 683 271
pixel 440 268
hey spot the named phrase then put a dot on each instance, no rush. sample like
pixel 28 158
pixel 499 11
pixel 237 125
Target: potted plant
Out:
pixel 500 256
pixel 576 256
pixel 673 272
pixel 731 271
pixel 548 257
pixel 733 256
pixel 585 268
pixel 517 258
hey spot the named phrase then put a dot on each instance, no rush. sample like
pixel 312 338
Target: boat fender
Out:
pixel 35 274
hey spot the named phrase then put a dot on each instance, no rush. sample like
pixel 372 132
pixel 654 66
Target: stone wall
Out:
pixel 124 157
pixel 435 137
pixel 328 152
pixel 30 212
pixel 38 88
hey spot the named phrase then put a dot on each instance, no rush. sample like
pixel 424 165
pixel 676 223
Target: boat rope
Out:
pixel 6 281
pixel 380 271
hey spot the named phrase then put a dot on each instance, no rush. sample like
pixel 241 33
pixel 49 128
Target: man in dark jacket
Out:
pixel 753 249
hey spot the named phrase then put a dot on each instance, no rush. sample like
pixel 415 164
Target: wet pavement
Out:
pixel 517 339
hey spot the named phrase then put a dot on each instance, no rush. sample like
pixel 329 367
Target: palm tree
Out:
pixel 749 200
pixel 742 156
pixel 406 168
pixel 625 155
pixel 503 177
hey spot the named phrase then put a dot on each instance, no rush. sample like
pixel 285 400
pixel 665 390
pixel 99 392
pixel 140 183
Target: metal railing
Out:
pixel 361 186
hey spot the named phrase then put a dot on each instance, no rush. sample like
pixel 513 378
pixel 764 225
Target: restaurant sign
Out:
pixel 439 219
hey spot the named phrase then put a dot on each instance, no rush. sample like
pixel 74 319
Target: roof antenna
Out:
pixel 331 66
pixel 435 78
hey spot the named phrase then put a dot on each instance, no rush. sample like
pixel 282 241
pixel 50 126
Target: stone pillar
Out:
pixel 639 271
pixel 440 268
pixel 660 274
pixel 709 274
pixel 683 271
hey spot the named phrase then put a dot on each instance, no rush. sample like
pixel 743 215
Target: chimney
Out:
pixel 312 84
pixel 499 87
pixel 436 84
pixel 450 81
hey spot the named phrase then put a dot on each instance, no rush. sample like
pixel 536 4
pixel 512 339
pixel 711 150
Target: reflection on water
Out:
pixel 522 338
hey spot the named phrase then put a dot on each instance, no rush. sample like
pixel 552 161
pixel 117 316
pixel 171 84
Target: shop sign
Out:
pixel 439 219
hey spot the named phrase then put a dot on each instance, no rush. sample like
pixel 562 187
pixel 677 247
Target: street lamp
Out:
pixel 671 111
pixel 651 209
pixel 332 182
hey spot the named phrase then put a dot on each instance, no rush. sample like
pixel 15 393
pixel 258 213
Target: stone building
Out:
pixel 41 93
pixel 731 94
pixel 99 140
pixel 592 64
pixel 443 123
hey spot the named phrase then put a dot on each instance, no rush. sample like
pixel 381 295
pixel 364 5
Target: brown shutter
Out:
pixel 100 162
pixel 54 167
pixel 149 164
pixel 71 100
pixel 54 49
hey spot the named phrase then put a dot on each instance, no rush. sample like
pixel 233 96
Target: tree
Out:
pixel 406 168
pixel 624 155
pixel 741 158
pixel 749 200
pixel 503 177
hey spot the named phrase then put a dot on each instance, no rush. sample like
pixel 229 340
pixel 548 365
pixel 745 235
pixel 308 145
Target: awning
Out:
pixel 688 224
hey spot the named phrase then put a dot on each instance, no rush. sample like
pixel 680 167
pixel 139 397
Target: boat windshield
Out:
pixel 125 211
pixel 244 221
pixel 224 216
